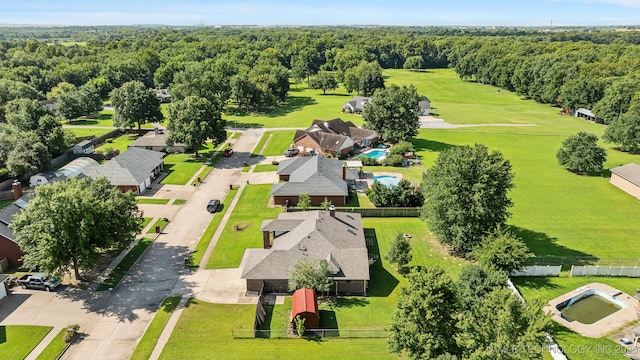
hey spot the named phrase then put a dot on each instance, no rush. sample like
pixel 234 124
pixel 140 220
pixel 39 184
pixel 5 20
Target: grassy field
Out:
pixel 413 173
pixel 280 141
pixel 121 269
pixel 205 239
pixel 150 338
pixel 84 132
pixel 303 105
pixel 182 167
pixel 243 228
pixel 145 222
pixel 55 347
pixel 265 168
pixel 159 223
pixel 179 202
pixel 121 142
pixel 17 341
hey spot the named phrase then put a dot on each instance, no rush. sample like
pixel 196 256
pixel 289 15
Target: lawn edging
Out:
pixel 154 329
pixel 140 245
pixel 198 252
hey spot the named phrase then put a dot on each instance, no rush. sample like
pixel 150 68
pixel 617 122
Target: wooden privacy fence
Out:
pixel 589 270
pixel 538 270
pixel 372 212
pixel 343 333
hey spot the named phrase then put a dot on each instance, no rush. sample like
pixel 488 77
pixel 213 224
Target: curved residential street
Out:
pixel 111 323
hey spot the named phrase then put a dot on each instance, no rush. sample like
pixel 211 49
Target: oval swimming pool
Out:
pixel 376 154
pixel 387 180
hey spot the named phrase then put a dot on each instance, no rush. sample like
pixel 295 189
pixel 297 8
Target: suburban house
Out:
pixel 156 140
pixel 337 237
pixel 84 147
pixel 356 105
pixel 586 114
pixel 163 95
pixel 49 104
pixel 317 176
pixel 9 248
pixel 70 170
pixel 627 178
pixel 304 303
pixel 425 106
pixel 134 169
pixel 333 138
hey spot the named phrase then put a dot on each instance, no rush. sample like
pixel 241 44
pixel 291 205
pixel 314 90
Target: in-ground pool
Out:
pixel 589 307
pixel 376 154
pixel 386 180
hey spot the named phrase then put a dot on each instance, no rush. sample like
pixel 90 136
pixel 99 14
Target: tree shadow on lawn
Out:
pixel 293 103
pixel 534 282
pixel 382 283
pixel 430 145
pixel 548 251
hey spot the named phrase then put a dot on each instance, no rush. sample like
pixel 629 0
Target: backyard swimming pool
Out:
pixel 376 154
pixel 589 307
pixel 387 180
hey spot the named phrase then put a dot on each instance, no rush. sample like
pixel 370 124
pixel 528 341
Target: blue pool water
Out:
pixel 386 180
pixel 376 154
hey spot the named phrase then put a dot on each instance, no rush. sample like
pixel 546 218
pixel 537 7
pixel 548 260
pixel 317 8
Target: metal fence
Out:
pixel 539 270
pixel 343 333
pixel 622 271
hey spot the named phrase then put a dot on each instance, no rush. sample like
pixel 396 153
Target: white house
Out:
pixel 84 147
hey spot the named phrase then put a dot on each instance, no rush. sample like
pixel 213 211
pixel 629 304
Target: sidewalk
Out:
pixel 168 328
pixel 51 336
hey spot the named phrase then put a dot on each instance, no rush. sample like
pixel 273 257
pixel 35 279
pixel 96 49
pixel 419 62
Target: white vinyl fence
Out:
pixel 594 270
pixel 538 270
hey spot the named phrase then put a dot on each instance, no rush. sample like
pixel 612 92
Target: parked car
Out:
pixel 291 152
pixel 38 281
pixel 213 205
pixel 227 152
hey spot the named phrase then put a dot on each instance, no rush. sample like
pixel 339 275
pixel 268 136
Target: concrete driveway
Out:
pixel 112 323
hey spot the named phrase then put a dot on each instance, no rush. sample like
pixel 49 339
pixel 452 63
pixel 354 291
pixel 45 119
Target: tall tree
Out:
pixel 365 78
pixel 475 281
pixel 617 98
pixel 27 153
pixel 503 251
pixel 82 101
pixel 501 326
pixel 135 104
pixel 400 251
pixel 323 81
pixel 60 89
pixel 466 195
pixel 394 113
pixel 311 274
pixel 68 223
pixel 424 320
pixel 192 121
pixel 413 63
pixel 624 131
pixel 580 153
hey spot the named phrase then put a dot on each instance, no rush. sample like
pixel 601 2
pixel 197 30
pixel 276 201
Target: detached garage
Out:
pixel 627 178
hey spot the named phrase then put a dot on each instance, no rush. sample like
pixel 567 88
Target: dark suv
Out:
pixel 291 152
pixel 213 205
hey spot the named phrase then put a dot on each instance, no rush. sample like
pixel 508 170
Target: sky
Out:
pixel 323 12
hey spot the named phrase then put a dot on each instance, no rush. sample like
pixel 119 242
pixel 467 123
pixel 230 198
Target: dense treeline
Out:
pixel 249 69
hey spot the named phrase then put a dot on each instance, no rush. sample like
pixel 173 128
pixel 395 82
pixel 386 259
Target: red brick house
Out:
pixel 9 248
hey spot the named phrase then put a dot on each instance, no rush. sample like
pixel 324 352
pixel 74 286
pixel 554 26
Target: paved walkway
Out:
pixel 51 336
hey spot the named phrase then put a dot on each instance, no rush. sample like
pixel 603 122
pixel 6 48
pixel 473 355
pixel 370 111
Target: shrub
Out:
pixel 71 332
pixel 274 162
pixel 393 160
pixel 109 140
pixel 402 148
pixel 367 161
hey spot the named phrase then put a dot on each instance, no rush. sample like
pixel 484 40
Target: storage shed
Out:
pixel 305 304
pixel 627 178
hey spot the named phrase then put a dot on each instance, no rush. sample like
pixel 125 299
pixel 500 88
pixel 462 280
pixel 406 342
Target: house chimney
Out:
pixel 344 172
pixel 332 211
pixel 155 129
pixel 17 189
pixel 266 239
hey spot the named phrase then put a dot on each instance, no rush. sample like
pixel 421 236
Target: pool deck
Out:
pixel 604 326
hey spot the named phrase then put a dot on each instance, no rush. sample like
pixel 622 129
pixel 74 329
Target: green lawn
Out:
pixel 55 347
pixel 152 201
pixel 150 338
pixel 121 269
pixel 179 202
pixel 145 222
pixel 243 228
pixel 260 145
pixel 413 173
pixel 105 118
pixel 84 132
pixel 214 322
pixel 265 168
pixel 121 142
pixel 159 223
pixel 182 167
pixel 205 240
pixel 17 341
pixel 280 141
pixel 303 105
pixel 208 167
